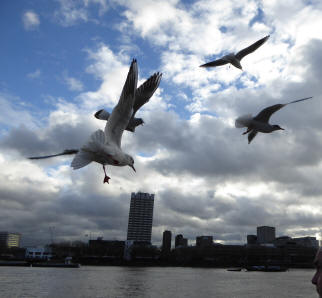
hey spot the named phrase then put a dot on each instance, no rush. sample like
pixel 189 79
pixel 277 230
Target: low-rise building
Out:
pixel 41 253
pixel 9 240
pixel 202 241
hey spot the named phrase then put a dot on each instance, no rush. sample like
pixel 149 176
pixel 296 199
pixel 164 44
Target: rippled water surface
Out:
pixel 90 281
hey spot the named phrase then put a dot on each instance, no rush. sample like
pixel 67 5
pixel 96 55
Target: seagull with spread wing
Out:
pixel 260 123
pixel 104 147
pixel 142 96
pixel 235 59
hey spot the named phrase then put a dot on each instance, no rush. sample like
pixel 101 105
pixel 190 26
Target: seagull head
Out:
pixel 277 127
pixel 138 121
pixel 102 114
pixel 134 123
pixel 130 162
pixel 97 114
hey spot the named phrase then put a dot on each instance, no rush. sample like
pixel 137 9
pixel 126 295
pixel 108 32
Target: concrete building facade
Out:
pixel 166 241
pixel 140 217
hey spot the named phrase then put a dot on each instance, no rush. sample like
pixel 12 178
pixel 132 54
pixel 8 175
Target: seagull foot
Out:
pixel 106 179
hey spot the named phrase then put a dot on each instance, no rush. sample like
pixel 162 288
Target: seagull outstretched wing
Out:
pixel 266 113
pixel 122 112
pixel 214 63
pixel 241 54
pixel 145 91
pixel 65 152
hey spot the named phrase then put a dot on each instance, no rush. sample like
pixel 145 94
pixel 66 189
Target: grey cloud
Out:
pixel 50 140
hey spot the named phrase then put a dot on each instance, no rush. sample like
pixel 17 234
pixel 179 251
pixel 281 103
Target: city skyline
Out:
pixel 264 235
pixel 62 61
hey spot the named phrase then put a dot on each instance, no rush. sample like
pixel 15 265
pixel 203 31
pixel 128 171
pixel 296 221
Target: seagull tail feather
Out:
pixel 81 159
pixel 243 121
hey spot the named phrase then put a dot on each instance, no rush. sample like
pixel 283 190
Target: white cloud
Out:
pixel 30 20
pixel 191 35
pixel 14 112
pixel 73 84
pixel 72 12
pixel 34 75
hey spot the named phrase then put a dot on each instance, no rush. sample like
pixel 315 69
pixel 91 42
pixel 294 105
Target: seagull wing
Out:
pixel 241 54
pixel 252 135
pixel 298 100
pixel 122 112
pixel 265 114
pixel 145 91
pixel 65 152
pixel 214 63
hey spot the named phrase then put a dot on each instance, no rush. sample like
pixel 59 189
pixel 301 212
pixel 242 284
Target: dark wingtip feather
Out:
pixel 98 113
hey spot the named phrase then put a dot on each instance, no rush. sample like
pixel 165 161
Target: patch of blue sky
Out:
pixel 290 42
pixel 45 55
pixel 223 29
pixel 310 2
pixel 209 113
pixel 179 100
pixel 146 154
pixel 148 59
pixel 258 18
pixel 239 83
pixel 55 166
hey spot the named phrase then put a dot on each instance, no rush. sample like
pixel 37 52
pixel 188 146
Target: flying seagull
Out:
pixel 260 123
pixel 235 59
pixel 142 96
pixel 104 147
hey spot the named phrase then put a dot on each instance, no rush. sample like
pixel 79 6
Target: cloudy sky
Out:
pixel 61 61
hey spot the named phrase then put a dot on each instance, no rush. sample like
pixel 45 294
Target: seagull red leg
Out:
pixel 106 178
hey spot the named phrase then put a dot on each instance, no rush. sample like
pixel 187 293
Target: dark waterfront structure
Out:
pixel 204 241
pixel 251 239
pixel 180 241
pixel 107 248
pixel 140 217
pixel 265 234
pixel 166 242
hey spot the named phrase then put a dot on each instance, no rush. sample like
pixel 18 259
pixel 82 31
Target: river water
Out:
pixel 154 282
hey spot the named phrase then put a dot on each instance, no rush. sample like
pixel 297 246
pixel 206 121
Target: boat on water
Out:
pixel 67 264
pixel 237 269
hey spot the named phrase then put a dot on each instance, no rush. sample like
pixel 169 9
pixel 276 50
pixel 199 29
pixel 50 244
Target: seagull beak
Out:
pixel 133 168
pixel 282 128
